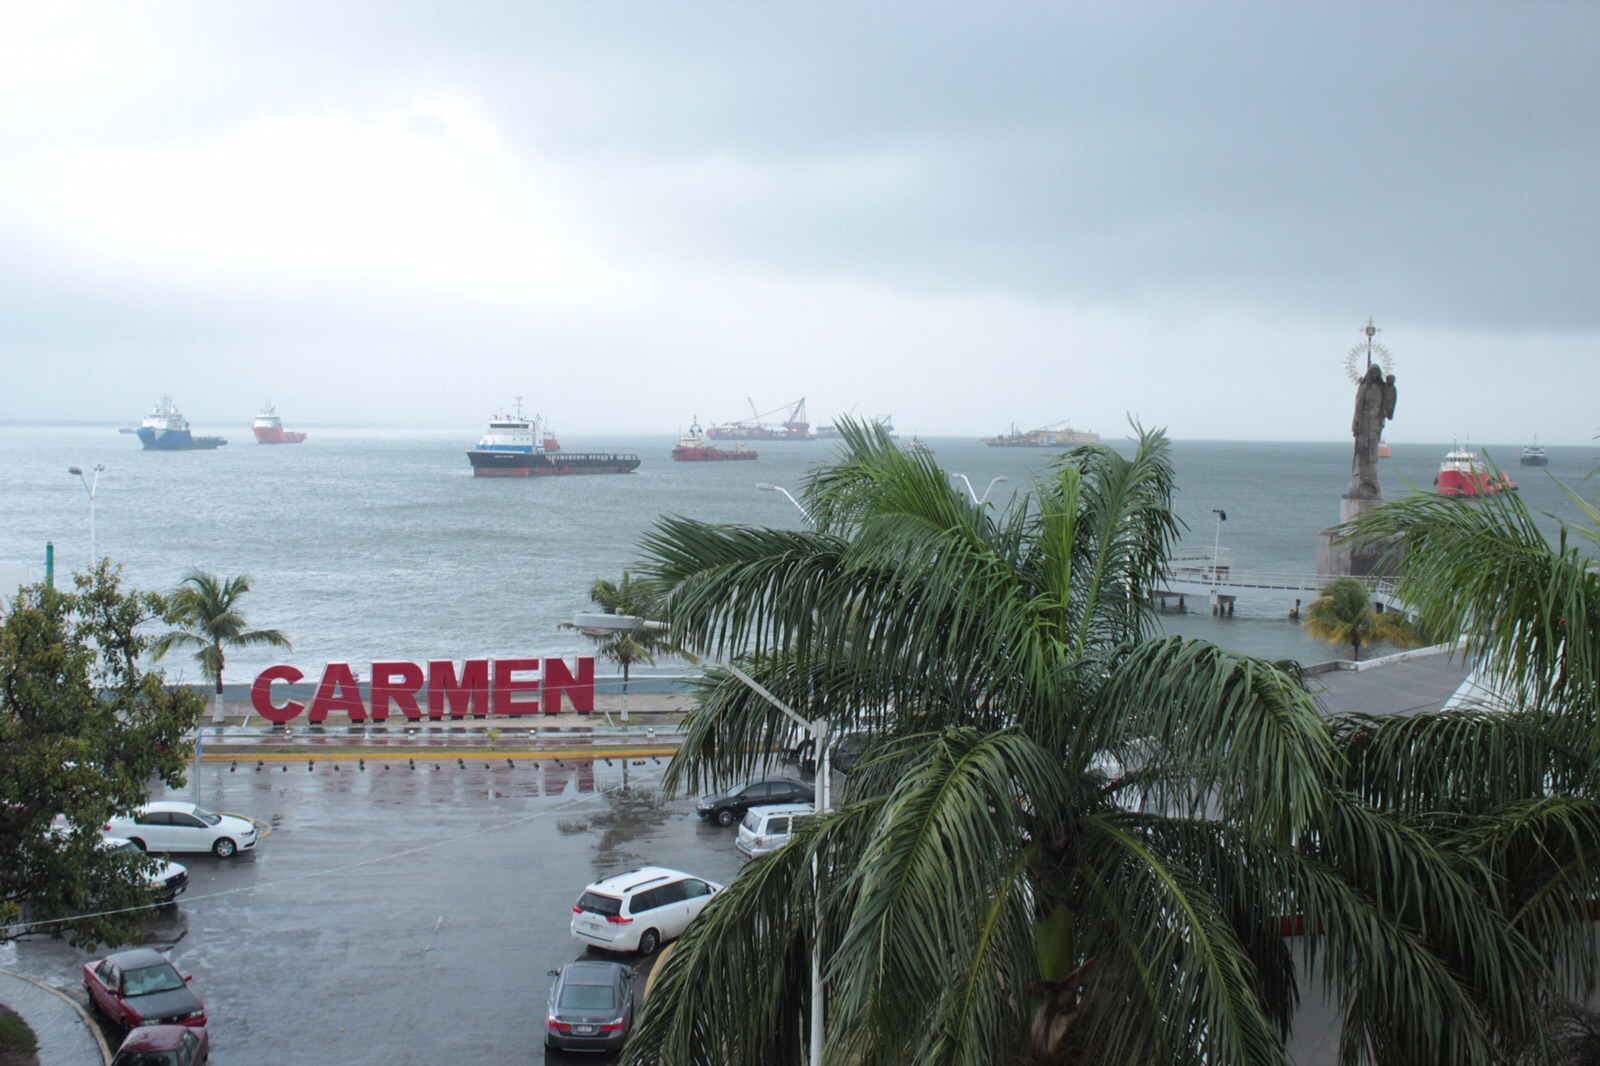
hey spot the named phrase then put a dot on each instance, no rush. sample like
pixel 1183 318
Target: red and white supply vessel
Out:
pixel 693 447
pixel 269 428
pixel 1463 474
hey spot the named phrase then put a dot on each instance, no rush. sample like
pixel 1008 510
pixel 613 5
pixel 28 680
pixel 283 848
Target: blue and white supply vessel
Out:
pixel 514 446
pixel 166 430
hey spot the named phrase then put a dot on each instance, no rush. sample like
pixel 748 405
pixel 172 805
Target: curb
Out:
pixel 83 1015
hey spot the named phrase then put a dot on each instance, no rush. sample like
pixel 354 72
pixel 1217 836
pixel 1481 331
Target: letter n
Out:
pixel 559 682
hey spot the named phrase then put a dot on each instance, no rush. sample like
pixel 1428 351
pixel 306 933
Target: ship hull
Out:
pixel 709 455
pixel 176 441
pixel 1475 483
pixel 747 433
pixel 524 464
pixel 1535 460
pixel 278 436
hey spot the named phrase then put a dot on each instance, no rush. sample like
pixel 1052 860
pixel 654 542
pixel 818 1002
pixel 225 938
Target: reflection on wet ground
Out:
pixel 403 909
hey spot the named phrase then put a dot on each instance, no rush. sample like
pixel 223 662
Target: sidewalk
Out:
pixel 66 1035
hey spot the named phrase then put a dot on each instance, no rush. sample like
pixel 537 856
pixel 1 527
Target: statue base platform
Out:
pixel 1371 558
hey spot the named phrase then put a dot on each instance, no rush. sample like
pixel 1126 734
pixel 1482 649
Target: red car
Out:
pixel 164 1045
pixel 140 987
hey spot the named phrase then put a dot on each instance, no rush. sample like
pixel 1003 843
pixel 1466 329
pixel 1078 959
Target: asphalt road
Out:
pixel 396 914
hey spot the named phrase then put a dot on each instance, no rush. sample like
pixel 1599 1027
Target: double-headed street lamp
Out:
pixel 90 488
pixel 601 624
pixel 981 500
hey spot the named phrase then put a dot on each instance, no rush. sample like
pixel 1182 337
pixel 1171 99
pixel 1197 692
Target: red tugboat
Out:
pixel 269 428
pixel 514 446
pixel 694 448
pixel 1462 474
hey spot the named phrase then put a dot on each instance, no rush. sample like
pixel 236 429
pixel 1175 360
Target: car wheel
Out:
pixel 224 848
pixel 94 1008
pixel 136 842
pixel 726 817
pixel 649 940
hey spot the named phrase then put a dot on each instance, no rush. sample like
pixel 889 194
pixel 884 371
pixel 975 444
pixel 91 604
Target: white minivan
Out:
pixel 766 829
pixel 639 910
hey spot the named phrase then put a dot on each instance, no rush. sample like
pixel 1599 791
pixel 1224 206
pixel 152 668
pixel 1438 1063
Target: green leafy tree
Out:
pixel 1520 777
pixel 1069 840
pixel 83 732
pixel 630 647
pixel 1344 614
pixel 206 610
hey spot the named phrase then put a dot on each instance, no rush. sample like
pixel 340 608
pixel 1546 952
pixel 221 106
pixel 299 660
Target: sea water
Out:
pixel 374 544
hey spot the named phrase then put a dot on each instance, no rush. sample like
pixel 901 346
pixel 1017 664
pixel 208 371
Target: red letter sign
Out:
pixel 261 694
pixel 507 685
pixel 338 692
pixel 471 693
pixel 558 682
pixel 399 682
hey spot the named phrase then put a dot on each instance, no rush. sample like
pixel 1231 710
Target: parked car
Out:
pixel 767 829
pixel 639 910
pixel 169 825
pixel 591 1006
pixel 164 1045
pixel 140 987
pixel 168 881
pixel 726 808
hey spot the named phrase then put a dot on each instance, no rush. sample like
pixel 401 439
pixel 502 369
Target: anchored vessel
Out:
pixel 1462 474
pixel 831 431
pixel 793 427
pixel 269 428
pixel 694 448
pixel 1045 437
pixel 165 429
pixel 515 446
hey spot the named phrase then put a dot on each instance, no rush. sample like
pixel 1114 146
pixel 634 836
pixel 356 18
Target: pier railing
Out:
pixel 1198 576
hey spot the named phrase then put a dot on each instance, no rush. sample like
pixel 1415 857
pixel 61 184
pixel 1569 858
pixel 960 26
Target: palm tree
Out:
pixel 1343 614
pixel 626 647
pixel 205 608
pixel 1521 776
pixel 1069 839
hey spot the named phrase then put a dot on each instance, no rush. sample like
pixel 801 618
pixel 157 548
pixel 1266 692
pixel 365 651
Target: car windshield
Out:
pixel 206 816
pixel 145 1058
pixel 595 903
pixel 151 979
pixel 588 997
pixel 125 847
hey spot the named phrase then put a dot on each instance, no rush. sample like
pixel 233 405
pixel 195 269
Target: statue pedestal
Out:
pixel 1370 558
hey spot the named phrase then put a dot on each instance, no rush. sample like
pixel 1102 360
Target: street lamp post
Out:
pixel 766 486
pixel 1216 545
pixel 981 500
pixel 90 488
pixel 599 624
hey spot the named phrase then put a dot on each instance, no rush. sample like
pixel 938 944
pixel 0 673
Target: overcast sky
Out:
pixel 960 215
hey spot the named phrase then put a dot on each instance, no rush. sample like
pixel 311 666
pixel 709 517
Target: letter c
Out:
pixel 261 694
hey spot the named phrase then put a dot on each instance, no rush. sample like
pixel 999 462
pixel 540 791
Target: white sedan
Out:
pixel 172 826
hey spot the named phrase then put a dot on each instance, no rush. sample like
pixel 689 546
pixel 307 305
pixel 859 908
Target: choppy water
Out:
pixel 368 544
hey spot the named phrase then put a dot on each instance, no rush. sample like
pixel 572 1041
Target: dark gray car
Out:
pixel 726 808
pixel 591 1007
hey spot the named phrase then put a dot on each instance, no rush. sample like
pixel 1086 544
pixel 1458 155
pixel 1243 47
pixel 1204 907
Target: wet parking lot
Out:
pixel 402 909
